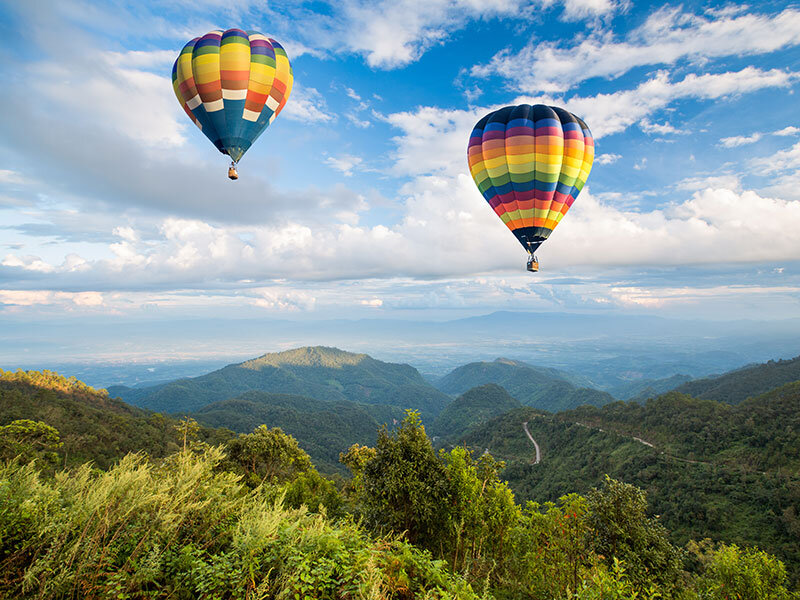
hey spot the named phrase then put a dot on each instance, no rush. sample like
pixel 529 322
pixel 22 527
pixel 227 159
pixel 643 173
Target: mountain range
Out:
pixel 317 372
pixel 720 461
pixel 540 387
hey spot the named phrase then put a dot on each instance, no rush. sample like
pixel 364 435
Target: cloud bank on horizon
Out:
pixel 358 201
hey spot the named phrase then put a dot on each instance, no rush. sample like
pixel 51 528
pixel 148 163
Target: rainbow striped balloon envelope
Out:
pixel 530 163
pixel 232 84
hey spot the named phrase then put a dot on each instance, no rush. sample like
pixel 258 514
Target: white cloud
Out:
pixel 615 112
pixel 372 303
pixel 740 140
pixel 288 300
pixel 791 130
pixel 668 35
pixel 345 163
pixel 607 158
pixel 28 263
pixel 434 140
pixel 784 166
pixel 360 123
pixel 126 233
pixel 307 105
pixel 575 10
pixel 448 231
pixel 9 176
pixel 138 104
pixel 660 128
pixel 640 164
pixel 142 59
pixel 395 33
pixel 713 226
pixel 41 297
pixel 730 182
pixel 781 161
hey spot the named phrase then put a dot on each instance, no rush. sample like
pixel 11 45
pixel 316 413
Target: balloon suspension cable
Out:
pixel 533 262
pixel 233 174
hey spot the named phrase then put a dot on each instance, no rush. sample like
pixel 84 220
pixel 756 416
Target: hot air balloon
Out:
pixel 530 163
pixel 232 84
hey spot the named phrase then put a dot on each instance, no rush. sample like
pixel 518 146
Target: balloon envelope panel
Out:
pixel 530 163
pixel 232 84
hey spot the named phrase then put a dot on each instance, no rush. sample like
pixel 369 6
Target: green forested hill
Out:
pixel 545 388
pixel 323 429
pixel 713 470
pixel 321 373
pixel 92 426
pixel 648 388
pixel 736 386
pixel 472 408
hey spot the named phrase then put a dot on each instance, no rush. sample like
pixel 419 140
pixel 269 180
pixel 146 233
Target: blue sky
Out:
pixel 357 201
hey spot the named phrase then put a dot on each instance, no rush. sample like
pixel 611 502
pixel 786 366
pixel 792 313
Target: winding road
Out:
pixel 530 437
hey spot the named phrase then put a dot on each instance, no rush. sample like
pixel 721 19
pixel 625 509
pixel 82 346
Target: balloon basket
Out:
pixel 233 174
pixel 533 264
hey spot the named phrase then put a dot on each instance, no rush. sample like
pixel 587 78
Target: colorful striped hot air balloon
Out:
pixel 530 163
pixel 232 84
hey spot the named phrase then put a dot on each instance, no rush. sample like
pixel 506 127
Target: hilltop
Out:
pixel 317 372
pixel 738 385
pixel 91 425
pixel 539 387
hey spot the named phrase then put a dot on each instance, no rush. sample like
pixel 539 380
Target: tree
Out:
pixel 29 440
pixel 622 530
pixel 738 573
pixel 480 515
pixel 267 455
pixel 405 485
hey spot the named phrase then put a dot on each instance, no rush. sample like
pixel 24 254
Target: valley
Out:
pixel 726 470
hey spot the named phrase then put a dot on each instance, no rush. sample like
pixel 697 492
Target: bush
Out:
pixel 181 530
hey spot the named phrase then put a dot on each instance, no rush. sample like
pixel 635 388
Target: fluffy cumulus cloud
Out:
pixel 713 226
pixel 667 35
pixel 447 231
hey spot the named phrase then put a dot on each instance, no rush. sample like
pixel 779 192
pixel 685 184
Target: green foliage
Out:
pixel 719 471
pixel 91 426
pixel 737 386
pixel 321 373
pixel 549 550
pixel 324 429
pixel 50 380
pixel 479 517
pixel 543 388
pixel 622 530
pixel 642 389
pixel 27 440
pixel 405 486
pixel 473 407
pixel 613 584
pixel 182 530
pixel 266 455
pixel 312 490
pixel 733 573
